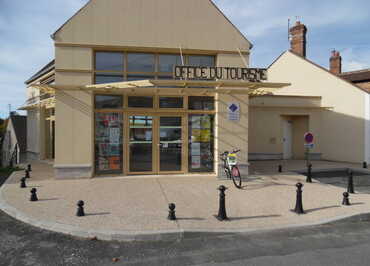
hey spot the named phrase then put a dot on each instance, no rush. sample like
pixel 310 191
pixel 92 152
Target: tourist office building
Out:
pixel 143 87
pixel 164 86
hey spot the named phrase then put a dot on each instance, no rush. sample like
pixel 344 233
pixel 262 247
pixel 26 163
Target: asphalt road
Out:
pixel 340 244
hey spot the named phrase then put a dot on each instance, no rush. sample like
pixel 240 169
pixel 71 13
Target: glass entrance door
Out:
pixel 141 144
pixel 155 144
pixel 170 144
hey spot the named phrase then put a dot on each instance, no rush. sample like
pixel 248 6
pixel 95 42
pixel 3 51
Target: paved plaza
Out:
pixel 136 207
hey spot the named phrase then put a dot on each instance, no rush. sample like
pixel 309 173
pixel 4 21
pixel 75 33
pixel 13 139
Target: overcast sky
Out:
pixel 26 26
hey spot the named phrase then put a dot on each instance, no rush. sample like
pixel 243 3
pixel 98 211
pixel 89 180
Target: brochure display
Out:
pixel 201 143
pixel 108 142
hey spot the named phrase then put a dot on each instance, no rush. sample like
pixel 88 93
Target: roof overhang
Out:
pixel 177 86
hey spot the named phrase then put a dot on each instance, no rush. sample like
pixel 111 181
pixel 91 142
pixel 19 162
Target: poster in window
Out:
pixel 195 121
pixel 205 135
pixel 114 135
pixel 195 149
pixel 206 122
pixel 195 162
pixel 196 135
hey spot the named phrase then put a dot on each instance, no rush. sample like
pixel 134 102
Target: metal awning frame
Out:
pixel 183 86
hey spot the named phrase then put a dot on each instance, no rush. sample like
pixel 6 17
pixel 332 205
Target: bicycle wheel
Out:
pixel 235 174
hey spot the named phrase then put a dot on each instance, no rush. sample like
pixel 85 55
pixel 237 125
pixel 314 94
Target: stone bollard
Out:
pixel 364 164
pixel 33 195
pixel 346 199
pixel 27 174
pixel 280 168
pixel 80 208
pixel 350 188
pixel 29 168
pixel 221 216
pixel 171 212
pixel 309 174
pixel 299 206
pixel 23 182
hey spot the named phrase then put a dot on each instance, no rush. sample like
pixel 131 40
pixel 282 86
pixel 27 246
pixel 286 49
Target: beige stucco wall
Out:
pixel 191 24
pixel 266 128
pixel 341 132
pixel 74 120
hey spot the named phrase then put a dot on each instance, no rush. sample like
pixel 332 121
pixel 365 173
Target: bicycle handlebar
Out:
pixel 226 152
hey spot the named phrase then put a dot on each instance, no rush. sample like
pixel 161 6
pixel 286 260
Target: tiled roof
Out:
pixel 357 76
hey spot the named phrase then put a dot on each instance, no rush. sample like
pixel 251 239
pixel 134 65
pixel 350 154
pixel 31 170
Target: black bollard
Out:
pixel 280 168
pixel 221 216
pixel 364 164
pixel 29 168
pixel 23 182
pixel 33 195
pixel 171 212
pixel 350 188
pixel 80 208
pixel 299 206
pixel 346 199
pixel 309 174
pixel 27 174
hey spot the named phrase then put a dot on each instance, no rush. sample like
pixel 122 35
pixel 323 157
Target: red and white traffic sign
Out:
pixel 308 138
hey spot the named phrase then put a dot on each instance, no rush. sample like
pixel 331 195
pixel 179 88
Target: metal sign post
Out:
pixel 308 139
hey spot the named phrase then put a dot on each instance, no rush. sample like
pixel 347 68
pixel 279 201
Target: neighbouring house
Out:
pixel 360 78
pixel 14 144
pixel 320 101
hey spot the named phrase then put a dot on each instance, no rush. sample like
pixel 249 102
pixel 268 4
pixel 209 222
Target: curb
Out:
pixel 159 235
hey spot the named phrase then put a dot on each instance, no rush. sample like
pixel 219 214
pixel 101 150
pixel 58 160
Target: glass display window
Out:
pixel 201 143
pixel 108 143
pixel 108 101
pixel 140 101
pixel 205 103
pixel 201 60
pixel 171 102
pixel 140 62
pixel 168 61
pixel 109 61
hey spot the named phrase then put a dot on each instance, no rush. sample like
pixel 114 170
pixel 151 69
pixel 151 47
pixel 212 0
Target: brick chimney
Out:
pixel 335 63
pixel 298 39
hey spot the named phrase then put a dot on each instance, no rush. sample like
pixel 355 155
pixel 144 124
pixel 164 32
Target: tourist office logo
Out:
pixel 222 73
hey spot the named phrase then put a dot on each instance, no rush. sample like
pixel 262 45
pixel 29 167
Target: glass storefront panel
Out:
pixel 168 61
pixel 201 60
pixel 108 143
pixel 170 143
pixel 141 143
pixel 109 61
pixel 140 62
pixel 201 143
pixel 205 103
pixel 140 101
pixel 101 78
pixel 171 102
pixel 108 101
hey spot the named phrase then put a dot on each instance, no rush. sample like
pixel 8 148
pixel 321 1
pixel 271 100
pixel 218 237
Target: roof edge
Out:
pixel 232 24
pixel 321 67
pixel 68 20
